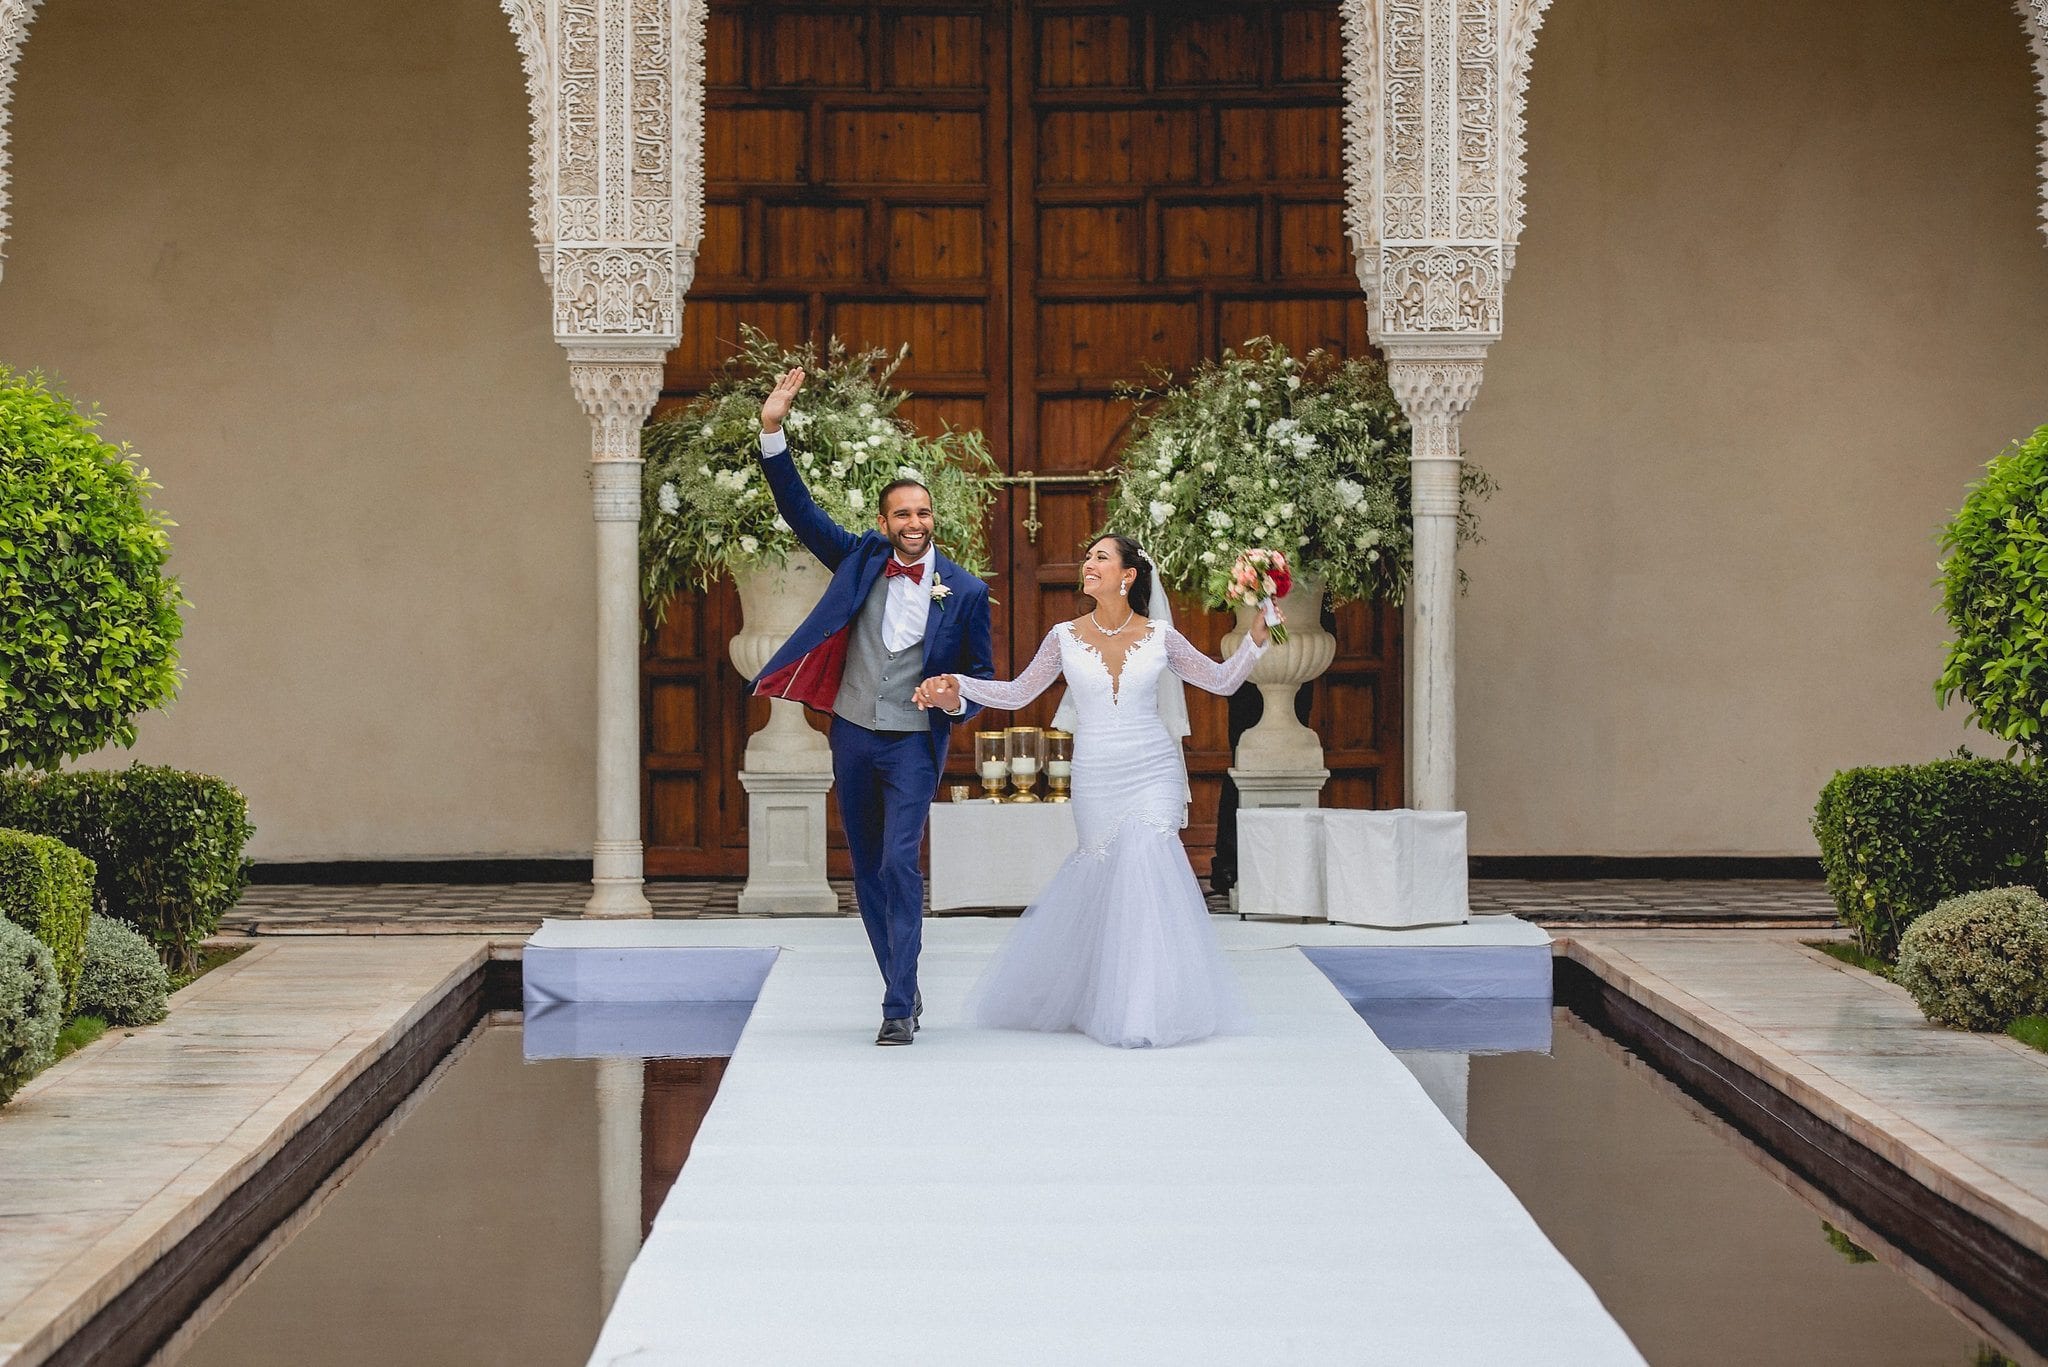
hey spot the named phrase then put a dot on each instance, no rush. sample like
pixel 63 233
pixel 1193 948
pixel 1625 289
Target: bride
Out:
pixel 1119 944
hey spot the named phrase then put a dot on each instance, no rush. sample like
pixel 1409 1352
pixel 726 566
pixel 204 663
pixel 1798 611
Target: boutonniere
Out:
pixel 940 593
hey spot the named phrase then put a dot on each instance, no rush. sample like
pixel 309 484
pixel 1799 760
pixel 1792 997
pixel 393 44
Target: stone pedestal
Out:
pixel 1280 761
pixel 786 844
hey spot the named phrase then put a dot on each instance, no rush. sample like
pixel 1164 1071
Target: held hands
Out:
pixel 780 398
pixel 1262 633
pixel 941 691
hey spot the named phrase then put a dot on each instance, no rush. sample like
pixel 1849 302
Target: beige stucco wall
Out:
pixel 1781 294
pixel 286 247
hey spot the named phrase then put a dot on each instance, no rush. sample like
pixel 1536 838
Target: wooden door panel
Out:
pixel 1042 201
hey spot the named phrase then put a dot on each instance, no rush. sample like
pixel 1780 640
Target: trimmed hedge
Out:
pixel 46 889
pixel 1978 961
pixel 1897 840
pixel 125 983
pixel 168 845
pixel 31 1008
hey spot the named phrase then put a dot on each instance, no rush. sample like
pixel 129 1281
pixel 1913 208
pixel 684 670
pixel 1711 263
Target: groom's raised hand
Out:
pixel 780 398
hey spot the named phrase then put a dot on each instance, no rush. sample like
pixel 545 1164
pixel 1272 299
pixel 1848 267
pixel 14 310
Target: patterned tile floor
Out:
pixel 515 908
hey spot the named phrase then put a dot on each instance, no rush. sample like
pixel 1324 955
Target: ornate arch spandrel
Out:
pixel 2034 14
pixel 15 17
pixel 529 29
pixel 1525 17
pixel 1362 151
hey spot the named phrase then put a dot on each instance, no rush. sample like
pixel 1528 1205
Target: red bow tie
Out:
pixel 896 569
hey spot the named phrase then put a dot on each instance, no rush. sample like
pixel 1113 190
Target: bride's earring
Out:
pixel 1124 590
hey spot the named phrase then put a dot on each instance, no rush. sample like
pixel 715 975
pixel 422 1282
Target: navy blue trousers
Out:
pixel 886 781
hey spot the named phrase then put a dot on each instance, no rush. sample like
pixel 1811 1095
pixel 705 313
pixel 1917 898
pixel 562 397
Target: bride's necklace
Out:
pixel 1120 626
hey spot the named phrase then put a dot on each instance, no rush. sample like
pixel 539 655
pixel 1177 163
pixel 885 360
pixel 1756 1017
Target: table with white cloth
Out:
pixel 997 854
pixel 1387 868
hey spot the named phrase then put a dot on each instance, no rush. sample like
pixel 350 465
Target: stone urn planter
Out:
pixel 1279 762
pixel 774 600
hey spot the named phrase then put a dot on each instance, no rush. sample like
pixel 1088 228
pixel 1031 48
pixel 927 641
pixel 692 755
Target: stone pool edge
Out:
pixel 1955 1215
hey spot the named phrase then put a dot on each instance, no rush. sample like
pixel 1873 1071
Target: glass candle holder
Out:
pixel 992 762
pixel 1027 761
pixel 1059 765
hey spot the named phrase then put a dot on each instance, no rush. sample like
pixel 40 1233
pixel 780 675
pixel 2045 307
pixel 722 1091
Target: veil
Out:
pixel 1173 698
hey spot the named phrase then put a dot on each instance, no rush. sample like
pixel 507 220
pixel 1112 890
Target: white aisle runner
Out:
pixel 992 1198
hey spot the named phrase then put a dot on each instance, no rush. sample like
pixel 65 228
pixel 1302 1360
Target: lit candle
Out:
pixel 1059 768
pixel 993 770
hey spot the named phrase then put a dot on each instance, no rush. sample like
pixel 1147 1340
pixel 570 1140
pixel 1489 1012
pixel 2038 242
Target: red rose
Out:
pixel 1282 580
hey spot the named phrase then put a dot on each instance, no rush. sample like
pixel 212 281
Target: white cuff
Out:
pixel 773 443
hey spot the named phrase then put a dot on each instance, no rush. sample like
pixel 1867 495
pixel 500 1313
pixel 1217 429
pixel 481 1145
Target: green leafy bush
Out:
pixel 125 983
pixel 168 845
pixel 1994 590
pixel 31 1008
pixel 1896 840
pixel 1978 961
pixel 706 510
pixel 88 618
pixel 46 889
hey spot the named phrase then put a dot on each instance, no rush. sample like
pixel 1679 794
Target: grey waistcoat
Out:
pixel 876 688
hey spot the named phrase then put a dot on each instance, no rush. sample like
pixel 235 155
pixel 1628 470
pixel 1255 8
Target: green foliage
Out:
pixel 1978 961
pixel 46 889
pixel 1852 955
pixel 31 1008
pixel 125 982
pixel 88 618
pixel 1260 449
pixel 1994 590
pixel 1846 1246
pixel 78 1032
pixel 2031 1031
pixel 167 845
pixel 1896 840
pixel 707 510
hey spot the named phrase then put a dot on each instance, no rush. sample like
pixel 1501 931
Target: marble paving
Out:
pixel 1002 1197
pixel 114 1154
pixel 1966 1114
pixel 518 908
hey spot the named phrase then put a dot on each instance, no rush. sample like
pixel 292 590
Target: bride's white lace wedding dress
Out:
pixel 1119 944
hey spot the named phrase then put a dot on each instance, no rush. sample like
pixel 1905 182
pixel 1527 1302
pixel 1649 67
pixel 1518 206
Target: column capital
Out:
pixel 1435 380
pixel 617 391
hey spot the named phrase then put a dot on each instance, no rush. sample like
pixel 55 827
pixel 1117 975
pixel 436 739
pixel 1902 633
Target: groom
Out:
pixel 895 612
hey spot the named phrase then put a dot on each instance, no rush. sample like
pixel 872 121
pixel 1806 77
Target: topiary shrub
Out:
pixel 46 889
pixel 1978 961
pixel 88 618
pixel 1994 591
pixel 168 845
pixel 1896 840
pixel 31 1008
pixel 125 983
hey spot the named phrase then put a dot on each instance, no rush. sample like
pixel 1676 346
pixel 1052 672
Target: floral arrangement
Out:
pixel 1257 578
pixel 707 511
pixel 1264 449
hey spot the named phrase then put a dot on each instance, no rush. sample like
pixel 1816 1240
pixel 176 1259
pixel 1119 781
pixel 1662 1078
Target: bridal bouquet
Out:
pixel 1257 579
pixel 706 510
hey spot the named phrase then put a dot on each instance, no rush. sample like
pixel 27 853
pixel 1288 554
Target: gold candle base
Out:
pixel 1023 784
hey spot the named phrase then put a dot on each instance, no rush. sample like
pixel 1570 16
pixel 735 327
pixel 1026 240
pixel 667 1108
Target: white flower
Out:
pixel 1208 557
pixel 749 544
pixel 874 441
pixel 1208 467
pixel 877 425
pixel 1350 493
pixel 855 499
pixel 714 538
pixel 838 469
pixel 671 503
pixel 1283 512
pixel 1272 481
pixel 1300 541
pixel 1293 381
pixel 940 592
pixel 797 422
pixel 707 429
pixel 780 525
pixel 907 472
pixel 866 410
pixel 1219 519
pixel 1160 512
pixel 1253 386
pixel 703 469
pixel 1251 403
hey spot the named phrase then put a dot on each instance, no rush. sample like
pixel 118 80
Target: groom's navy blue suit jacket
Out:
pixel 808 667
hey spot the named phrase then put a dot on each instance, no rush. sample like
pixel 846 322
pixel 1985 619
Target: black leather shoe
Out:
pixel 895 1032
pixel 917 1012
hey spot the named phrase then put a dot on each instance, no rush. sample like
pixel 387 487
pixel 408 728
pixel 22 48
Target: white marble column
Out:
pixel 1434 390
pixel 617 387
pixel 621 1088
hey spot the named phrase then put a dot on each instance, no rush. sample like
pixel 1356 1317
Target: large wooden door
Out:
pixel 1042 200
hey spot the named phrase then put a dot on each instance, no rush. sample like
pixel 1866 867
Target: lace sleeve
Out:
pixel 1203 672
pixel 1009 695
